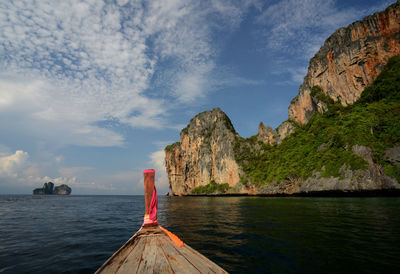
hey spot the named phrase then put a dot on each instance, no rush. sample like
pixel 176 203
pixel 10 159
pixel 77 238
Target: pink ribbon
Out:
pixel 153 206
pixel 152 217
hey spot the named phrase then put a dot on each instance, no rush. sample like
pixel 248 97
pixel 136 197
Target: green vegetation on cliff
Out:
pixel 325 142
pixel 212 187
pixel 316 92
pixel 169 148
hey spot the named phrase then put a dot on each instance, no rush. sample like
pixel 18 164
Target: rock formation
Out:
pixel 46 189
pixel 267 135
pixel 62 190
pixel 392 155
pixel 49 189
pixel 350 181
pixel 204 153
pixel 350 60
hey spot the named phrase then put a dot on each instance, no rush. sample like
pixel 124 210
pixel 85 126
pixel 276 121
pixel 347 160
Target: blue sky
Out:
pixel 92 91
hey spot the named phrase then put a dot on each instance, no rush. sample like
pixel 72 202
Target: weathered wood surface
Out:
pixel 150 250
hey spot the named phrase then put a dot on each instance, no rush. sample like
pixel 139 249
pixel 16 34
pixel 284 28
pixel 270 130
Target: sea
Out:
pixel 76 234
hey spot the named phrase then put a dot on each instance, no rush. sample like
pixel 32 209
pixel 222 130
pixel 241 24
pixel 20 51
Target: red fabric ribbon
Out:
pixel 153 206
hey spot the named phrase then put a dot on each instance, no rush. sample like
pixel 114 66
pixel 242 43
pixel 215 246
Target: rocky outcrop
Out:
pixel 46 189
pixel 62 190
pixel 267 135
pixel 350 60
pixel 49 189
pixel 204 153
pixel 284 130
pixel 350 181
pixel 392 155
pixel 270 136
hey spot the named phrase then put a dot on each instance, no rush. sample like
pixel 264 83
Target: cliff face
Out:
pixel 350 60
pixel 204 153
pixel 352 181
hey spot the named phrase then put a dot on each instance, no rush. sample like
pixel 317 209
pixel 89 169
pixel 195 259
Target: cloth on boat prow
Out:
pixel 150 216
pixel 153 249
pixel 152 219
pixel 153 206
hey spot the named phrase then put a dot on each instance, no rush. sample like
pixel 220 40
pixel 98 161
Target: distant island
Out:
pixel 49 189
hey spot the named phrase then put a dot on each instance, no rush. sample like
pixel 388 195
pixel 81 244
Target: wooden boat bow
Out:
pixel 153 249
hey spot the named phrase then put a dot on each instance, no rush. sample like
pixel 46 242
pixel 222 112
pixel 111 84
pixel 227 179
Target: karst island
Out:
pixel 49 189
pixel 342 135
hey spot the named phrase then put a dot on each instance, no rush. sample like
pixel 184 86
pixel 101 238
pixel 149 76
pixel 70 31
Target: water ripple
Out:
pixel 76 234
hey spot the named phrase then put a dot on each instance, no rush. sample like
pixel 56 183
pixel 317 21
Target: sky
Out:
pixel 92 91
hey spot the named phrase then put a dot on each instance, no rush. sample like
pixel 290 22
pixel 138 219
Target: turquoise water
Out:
pixel 76 234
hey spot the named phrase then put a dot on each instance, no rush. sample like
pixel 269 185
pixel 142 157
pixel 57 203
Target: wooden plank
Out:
pixel 162 265
pixel 148 256
pixel 202 263
pixel 132 262
pixel 150 250
pixel 178 263
pixel 115 261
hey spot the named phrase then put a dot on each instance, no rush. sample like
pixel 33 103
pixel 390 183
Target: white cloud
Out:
pixel 12 165
pixel 158 162
pixel 300 25
pixel 69 66
pixel 183 36
pixel 17 170
pixel 193 84
pixel 298 74
pixel 33 109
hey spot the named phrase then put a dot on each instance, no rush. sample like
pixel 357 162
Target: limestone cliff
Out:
pixel 204 153
pixel 369 180
pixel 210 150
pixel 350 60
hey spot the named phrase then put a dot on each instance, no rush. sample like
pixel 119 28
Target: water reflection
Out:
pixel 259 234
pixel 207 224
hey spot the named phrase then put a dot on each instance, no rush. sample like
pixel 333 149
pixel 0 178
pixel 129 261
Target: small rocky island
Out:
pixel 49 189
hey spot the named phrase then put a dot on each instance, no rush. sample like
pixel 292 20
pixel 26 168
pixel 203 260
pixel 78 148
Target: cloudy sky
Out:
pixel 92 91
